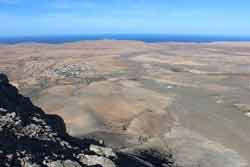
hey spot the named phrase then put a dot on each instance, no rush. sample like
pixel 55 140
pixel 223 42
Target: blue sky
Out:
pixel 45 17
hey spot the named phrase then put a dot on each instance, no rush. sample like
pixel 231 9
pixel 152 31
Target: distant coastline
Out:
pixel 150 38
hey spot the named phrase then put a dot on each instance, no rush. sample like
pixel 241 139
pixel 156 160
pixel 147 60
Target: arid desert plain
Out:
pixel 190 98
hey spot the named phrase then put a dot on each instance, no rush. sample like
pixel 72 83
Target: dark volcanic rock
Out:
pixel 31 138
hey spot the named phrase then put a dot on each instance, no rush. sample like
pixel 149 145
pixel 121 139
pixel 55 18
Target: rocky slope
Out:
pixel 31 138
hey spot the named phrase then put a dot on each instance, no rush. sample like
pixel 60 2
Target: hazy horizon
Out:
pixel 124 34
pixel 57 39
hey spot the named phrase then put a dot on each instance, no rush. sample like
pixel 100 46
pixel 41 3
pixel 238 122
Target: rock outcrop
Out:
pixel 31 138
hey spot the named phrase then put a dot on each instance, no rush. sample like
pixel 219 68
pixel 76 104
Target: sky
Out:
pixel 69 17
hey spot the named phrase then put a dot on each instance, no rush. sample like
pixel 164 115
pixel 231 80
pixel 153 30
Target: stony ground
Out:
pixel 190 98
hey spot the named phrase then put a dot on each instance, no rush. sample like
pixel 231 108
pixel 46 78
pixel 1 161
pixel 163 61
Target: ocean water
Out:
pixel 152 38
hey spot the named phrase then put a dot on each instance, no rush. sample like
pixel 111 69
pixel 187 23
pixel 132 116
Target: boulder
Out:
pixel 92 160
pixel 102 151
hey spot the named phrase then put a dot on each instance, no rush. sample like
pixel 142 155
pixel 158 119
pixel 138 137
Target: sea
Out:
pixel 151 38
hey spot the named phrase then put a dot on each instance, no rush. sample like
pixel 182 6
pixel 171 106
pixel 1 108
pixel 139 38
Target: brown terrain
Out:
pixel 190 98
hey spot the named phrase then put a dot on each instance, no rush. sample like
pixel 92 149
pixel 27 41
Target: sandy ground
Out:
pixel 187 97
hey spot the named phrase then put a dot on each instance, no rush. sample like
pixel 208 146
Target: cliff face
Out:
pixel 31 138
